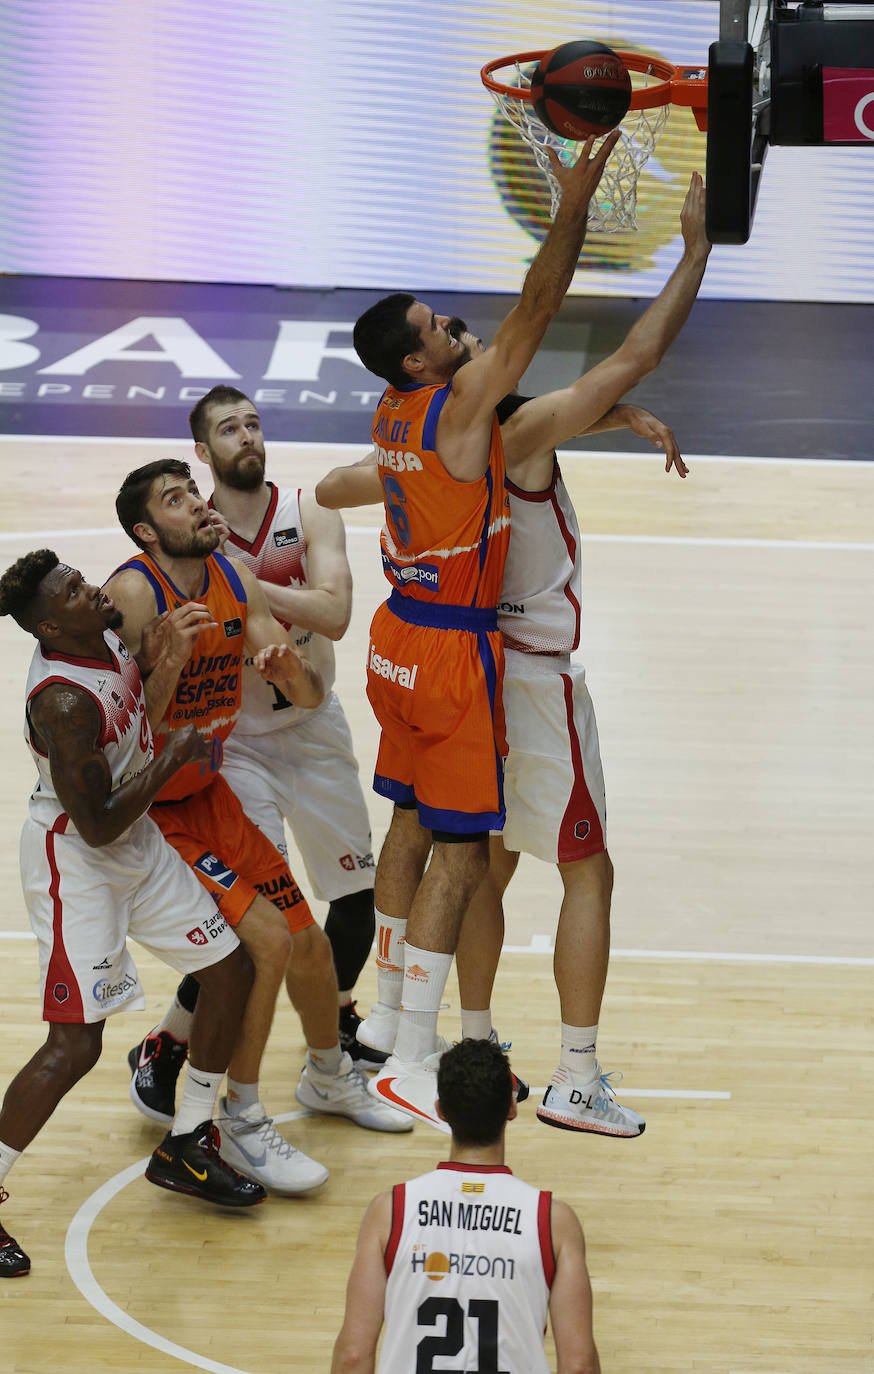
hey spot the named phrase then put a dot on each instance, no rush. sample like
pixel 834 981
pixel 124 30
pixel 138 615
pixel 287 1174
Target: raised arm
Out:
pixel 324 605
pixel 274 658
pixel 570 1301
pixel 67 725
pixel 466 417
pixel 355 1347
pixel 355 484
pixel 548 421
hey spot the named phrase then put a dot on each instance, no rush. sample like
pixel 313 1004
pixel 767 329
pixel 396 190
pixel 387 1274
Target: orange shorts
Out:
pixel 435 690
pixel 232 858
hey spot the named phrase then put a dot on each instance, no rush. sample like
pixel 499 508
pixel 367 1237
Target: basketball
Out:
pixel 581 88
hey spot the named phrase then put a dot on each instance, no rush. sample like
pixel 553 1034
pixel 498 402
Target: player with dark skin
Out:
pixel 66 725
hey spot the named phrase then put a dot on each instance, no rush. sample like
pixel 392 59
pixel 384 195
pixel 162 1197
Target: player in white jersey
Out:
pixel 96 869
pixel 553 787
pixel 464 1264
pixel 285 763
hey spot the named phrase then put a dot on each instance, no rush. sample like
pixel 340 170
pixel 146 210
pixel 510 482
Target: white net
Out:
pixel 614 204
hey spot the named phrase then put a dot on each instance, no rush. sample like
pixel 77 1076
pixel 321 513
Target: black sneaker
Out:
pixel 360 1054
pixel 191 1163
pixel 14 1263
pixel 156 1063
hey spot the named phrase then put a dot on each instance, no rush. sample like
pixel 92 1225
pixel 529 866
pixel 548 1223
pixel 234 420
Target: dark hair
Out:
pixel 383 336
pixel 133 496
pixel 219 396
pixel 20 587
pixel 475 1089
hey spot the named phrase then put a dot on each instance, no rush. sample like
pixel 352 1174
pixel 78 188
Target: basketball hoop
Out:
pixel 656 85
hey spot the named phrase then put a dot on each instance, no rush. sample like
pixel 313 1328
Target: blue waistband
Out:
pixel 437 614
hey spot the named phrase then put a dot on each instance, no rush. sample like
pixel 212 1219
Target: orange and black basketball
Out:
pixel 580 89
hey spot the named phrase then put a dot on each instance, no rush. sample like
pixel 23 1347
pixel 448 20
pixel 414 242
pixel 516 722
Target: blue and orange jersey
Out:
pixel 209 688
pixel 444 541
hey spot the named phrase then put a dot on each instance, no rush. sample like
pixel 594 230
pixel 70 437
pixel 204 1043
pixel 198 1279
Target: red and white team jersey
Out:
pixel 117 690
pixel 469 1266
pixel 278 554
pixel 539 610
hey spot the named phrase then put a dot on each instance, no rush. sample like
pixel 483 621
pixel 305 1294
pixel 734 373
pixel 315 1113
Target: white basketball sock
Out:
pixel 176 1022
pixel 425 974
pixel 198 1099
pixel 8 1157
pixel 390 931
pixel 579 1052
pixel 240 1096
pixel 326 1061
pixel 476 1025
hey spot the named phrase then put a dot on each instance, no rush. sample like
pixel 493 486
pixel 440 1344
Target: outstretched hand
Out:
pixel 692 217
pixel 579 182
pixel 648 426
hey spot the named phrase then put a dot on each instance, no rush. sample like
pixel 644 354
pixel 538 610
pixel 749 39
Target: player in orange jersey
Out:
pixel 215 610
pixel 547 782
pixel 435 660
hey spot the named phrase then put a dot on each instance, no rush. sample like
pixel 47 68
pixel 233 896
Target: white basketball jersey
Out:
pixel 539 610
pixel 278 554
pixel 117 690
pixel 469 1265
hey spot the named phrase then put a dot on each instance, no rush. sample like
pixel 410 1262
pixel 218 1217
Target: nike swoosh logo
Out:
pixel 384 1088
pixel 199 1081
pixel 200 1177
pixel 145 1056
pixel 256 1161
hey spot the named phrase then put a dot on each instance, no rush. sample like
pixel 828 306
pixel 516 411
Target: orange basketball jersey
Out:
pixel 444 540
pixel 210 685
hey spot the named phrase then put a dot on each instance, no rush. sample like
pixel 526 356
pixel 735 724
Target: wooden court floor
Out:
pixel 728 643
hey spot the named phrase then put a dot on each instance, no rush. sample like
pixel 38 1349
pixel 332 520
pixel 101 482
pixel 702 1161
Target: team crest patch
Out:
pixel 581 830
pixel 347 862
pixel 233 627
pixel 196 936
pixel 60 992
pixel 215 870
pixel 282 538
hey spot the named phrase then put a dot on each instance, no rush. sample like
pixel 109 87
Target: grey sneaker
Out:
pixel 592 1107
pixel 252 1145
pixel 345 1094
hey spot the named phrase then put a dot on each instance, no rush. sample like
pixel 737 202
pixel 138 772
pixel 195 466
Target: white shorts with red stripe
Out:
pixel 553 782
pixel 84 902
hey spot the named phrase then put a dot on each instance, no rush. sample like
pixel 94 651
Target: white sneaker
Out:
pixel 410 1086
pixel 345 1094
pixel 253 1147
pixel 379 1028
pixel 576 1106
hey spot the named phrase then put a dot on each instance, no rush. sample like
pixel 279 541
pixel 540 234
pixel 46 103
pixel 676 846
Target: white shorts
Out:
pixel 83 902
pixel 553 781
pixel 308 774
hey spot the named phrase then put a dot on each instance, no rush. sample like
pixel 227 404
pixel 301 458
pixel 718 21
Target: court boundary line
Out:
pixel 543 944
pixel 304 445
pixel 679 540
pixel 80 1271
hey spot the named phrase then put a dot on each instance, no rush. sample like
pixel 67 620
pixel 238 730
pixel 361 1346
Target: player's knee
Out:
pixel 229 979
pixel 264 933
pixel 70 1052
pixel 311 952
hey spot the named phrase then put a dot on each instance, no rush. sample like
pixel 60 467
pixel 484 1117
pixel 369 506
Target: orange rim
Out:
pixel 673 85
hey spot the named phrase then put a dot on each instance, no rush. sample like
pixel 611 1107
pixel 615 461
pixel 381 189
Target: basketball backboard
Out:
pixel 787 72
